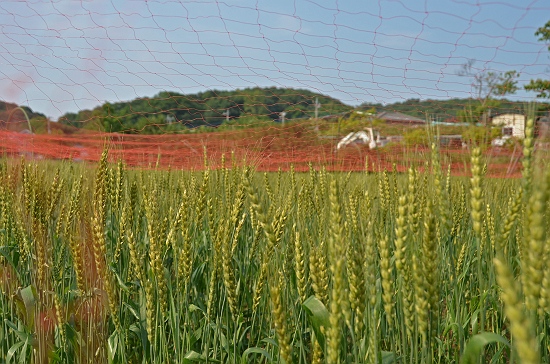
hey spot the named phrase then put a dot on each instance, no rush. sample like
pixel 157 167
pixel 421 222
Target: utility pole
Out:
pixel 317 105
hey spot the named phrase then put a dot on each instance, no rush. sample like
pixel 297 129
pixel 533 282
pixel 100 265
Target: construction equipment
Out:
pixel 368 136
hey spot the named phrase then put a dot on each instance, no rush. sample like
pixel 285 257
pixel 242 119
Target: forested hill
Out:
pixel 450 110
pixel 11 114
pixel 172 112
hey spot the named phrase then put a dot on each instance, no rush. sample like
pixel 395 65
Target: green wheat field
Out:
pixel 100 263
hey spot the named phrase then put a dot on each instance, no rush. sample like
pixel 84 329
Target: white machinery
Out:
pixel 500 142
pixel 367 136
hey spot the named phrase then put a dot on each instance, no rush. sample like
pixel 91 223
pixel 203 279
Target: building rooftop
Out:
pixel 398 117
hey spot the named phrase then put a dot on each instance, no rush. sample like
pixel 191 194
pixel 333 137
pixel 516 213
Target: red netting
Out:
pixel 276 82
pixel 271 150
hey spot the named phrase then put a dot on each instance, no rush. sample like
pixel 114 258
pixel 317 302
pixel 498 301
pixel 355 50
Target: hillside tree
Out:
pixel 540 86
pixel 487 86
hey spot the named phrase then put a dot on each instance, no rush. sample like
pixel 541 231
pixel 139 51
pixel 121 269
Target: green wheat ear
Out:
pixel 476 192
pixel 339 307
pixel 240 253
pixel 524 339
pixel 280 320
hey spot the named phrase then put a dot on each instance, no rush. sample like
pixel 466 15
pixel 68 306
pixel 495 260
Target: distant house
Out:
pixel 513 125
pixel 397 117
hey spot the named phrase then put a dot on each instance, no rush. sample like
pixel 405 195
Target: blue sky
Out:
pixel 65 56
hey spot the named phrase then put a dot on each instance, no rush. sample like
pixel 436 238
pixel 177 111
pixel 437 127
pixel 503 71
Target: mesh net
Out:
pixel 278 83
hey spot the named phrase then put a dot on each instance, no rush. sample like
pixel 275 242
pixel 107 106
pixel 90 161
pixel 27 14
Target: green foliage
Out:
pixel 416 136
pixel 480 135
pixel 444 110
pixel 274 221
pixel 544 33
pixel 378 122
pixel 351 123
pixel 505 83
pixel 478 112
pixel 475 346
pixel 6 107
pixel 486 85
pixel 39 125
pixel 318 315
pixel 489 84
pixel 540 86
pixel 247 121
pixel 171 112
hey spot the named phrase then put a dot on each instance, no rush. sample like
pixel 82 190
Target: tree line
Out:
pixel 175 112
pixel 454 110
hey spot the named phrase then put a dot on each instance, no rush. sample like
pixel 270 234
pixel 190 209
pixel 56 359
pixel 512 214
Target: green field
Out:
pixel 100 263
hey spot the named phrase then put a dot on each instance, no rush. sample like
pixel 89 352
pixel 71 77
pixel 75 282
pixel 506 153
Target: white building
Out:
pixel 513 125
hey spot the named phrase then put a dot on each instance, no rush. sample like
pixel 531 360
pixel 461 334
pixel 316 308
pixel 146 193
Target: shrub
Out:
pixel 418 136
pixel 480 135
